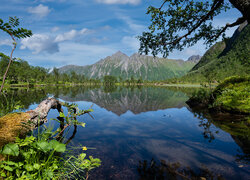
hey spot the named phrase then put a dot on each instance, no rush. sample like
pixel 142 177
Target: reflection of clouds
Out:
pixel 194 155
pixel 121 141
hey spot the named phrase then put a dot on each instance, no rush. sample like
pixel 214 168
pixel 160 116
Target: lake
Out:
pixel 144 132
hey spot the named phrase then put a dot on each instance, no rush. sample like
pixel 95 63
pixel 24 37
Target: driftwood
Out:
pixel 15 124
pixel 39 115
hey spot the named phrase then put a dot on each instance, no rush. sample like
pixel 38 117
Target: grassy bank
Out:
pixel 232 95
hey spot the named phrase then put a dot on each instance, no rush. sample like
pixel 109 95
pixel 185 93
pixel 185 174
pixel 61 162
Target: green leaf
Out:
pixel 8 168
pixel 43 146
pixel 11 149
pixel 82 156
pixel 36 166
pixel 57 146
pixel 11 163
pixel 62 115
pixel 28 167
pixel 3 174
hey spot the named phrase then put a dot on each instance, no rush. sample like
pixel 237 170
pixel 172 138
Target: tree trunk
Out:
pixel 243 6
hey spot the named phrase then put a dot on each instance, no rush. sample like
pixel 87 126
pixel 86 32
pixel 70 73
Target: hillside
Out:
pixel 138 66
pixel 227 58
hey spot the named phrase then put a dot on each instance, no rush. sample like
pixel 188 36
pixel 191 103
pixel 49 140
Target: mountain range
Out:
pixel 137 66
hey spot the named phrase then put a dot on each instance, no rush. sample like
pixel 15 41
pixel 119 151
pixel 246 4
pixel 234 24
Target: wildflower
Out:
pixel 84 148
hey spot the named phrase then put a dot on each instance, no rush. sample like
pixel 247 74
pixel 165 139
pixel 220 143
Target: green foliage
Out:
pixel 224 59
pixel 201 95
pixel 12 30
pixel 23 74
pixel 108 80
pixel 233 94
pixel 43 156
pixel 181 23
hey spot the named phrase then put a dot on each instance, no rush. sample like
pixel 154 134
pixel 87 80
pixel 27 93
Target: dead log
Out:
pixel 15 124
pixel 39 115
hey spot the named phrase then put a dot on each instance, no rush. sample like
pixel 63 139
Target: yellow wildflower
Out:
pixel 84 148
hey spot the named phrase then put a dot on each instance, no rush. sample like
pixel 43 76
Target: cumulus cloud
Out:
pixel 70 35
pixel 73 53
pixel 40 42
pixel 40 10
pixel 45 43
pixel 134 2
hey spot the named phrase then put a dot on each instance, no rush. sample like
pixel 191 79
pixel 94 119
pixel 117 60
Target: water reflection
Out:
pixel 149 170
pixel 236 125
pixel 119 100
pixel 134 124
pixel 23 98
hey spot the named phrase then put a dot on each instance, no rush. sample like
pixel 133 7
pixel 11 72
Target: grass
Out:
pixel 233 95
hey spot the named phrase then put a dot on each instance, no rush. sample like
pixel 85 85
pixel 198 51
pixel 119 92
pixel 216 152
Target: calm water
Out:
pixel 132 126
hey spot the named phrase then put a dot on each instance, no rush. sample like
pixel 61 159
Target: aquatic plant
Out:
pixel 45 156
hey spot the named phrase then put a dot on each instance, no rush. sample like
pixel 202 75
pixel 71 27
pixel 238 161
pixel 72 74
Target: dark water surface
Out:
pixel 141 127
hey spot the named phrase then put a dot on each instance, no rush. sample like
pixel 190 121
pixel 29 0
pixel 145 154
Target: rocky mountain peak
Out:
pixel 119 55
pixel 194 58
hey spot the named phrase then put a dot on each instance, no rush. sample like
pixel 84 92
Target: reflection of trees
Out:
pixel 110 88
pixel 206 125
pixel 21 97
pixel 25 97
pixel 153 170
pixel 235 125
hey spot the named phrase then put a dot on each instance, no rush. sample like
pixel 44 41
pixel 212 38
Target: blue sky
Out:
pixel 82 32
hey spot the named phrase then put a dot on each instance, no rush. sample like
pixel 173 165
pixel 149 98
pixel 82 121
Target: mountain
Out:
pixel 138 66
pixel 194 58
pixel 226 58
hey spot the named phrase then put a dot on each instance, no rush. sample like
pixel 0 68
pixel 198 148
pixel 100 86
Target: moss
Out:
pixel 233 95
pixel 12 126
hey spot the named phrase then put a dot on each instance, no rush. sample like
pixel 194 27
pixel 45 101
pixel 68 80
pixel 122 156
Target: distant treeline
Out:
pixel 21 73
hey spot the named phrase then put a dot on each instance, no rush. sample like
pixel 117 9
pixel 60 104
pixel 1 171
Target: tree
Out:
pixel 181 23
pixel 56 74
pixel 109 80
pixel 14 32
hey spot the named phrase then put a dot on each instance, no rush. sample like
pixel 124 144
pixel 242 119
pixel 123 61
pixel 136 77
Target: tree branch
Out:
pixel 237 22
pixel 162 4
pixel 214 7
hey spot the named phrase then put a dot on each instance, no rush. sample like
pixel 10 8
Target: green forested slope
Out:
pixel 228 58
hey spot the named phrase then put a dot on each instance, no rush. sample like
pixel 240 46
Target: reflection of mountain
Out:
pixel 135 100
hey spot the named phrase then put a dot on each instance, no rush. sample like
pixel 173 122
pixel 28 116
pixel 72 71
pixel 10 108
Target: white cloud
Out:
pixel 134 2
pixel 7 42
pixel 135 28
pixel 40 10
pixel 73 53
pixel 45 43
pixel 131 42
pixel 70 35
pixel 40 42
